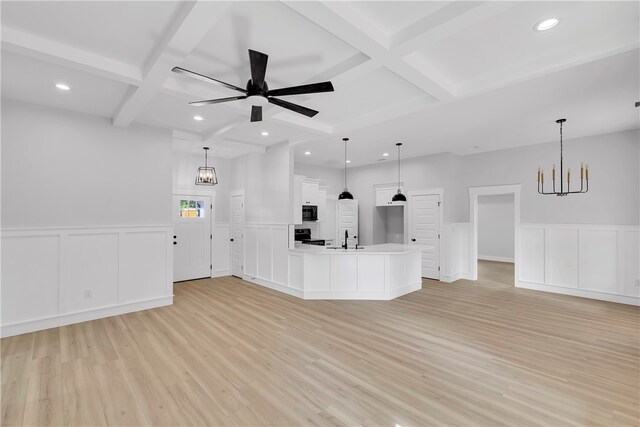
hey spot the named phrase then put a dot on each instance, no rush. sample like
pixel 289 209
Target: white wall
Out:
pixel 86 218
pixel 613 196
pixel 496 234
pixel 267 182
pixel 614 172
pixel 417 173
pixel 185 166
pixel 332 178
pixel 62 169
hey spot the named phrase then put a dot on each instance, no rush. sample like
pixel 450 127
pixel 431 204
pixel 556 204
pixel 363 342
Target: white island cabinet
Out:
pixel 377 272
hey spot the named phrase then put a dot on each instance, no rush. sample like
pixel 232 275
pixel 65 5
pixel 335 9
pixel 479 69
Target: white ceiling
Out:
pixel 438 76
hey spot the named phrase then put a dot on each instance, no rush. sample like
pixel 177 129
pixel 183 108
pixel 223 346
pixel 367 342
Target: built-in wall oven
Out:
pixel 309 213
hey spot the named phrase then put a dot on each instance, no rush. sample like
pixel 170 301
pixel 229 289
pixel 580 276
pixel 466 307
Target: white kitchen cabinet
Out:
pixel 310 192
pixel 384 196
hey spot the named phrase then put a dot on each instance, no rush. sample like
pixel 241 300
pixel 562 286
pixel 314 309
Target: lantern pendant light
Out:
pixel 399 197
pixel 206 175
pixel 345 194
pixel 584 175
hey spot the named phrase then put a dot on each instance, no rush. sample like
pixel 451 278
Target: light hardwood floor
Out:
pixel 231 353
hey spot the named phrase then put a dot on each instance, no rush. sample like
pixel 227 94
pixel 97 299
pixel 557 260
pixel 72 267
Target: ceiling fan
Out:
pixel 257 90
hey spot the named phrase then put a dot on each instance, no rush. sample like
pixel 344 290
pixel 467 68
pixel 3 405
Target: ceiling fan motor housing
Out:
pixel 255 90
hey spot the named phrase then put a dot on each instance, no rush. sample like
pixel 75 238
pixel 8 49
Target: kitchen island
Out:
pixel 376 272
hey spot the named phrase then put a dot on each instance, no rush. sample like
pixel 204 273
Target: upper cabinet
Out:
pixel 310 192
pixel 384 196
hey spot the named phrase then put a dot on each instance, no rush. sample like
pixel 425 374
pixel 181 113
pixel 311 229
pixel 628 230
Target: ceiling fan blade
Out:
pixel 258 62
pixel 300 90
pixel 293 107
pixel 256 113
pixel 215 101
pixel 204 78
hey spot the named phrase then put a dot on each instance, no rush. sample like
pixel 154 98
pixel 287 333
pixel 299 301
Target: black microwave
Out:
pixel 309 213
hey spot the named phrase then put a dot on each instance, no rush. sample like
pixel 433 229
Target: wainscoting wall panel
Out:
pixel 90 271
pixel 561 255
pixel 30 276
pixel 592 261
pixel 455 251
pixel 57 276
pixel 267 254
pixel 220 250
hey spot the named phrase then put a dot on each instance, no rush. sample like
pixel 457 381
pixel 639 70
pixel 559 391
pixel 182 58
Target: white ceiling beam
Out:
pixel 195 21
pixel 330 16
pixel 238 146
pixel 57 53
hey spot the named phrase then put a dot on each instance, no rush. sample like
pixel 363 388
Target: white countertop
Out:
pixel 383 249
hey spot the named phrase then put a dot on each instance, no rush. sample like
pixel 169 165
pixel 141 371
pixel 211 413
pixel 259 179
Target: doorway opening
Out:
pixel 495 236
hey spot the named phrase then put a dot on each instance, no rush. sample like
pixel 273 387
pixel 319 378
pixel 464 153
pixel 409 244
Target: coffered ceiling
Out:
pixel 438 76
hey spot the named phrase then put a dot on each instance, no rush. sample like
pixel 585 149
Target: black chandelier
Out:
pixel 584 174
pixel 345 194
pixel 399 197
pixel 206 175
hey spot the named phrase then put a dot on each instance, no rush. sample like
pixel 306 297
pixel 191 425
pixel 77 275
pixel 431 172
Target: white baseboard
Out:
pixel 495 258
pixel 82 316
pixel 221 273
pixel 275 286
pixel 450 278
pixel 622 299
pixel 346 295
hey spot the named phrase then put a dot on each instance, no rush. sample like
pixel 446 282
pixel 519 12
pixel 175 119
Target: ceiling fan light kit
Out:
pixel 345 193
pixel 206 175
pixel 584 175
pixel 257 91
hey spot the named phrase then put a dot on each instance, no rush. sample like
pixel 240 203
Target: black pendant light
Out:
pixel 399 197
pixel 345 194
pixel 206 175
pixel 584 173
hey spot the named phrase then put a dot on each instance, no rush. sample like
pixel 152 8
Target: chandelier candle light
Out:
pixel 584 175
pixel 206 175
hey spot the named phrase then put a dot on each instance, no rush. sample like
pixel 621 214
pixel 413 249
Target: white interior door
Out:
pixel 425 230
pixel 347 221
pixel 192 237
pixel 237 235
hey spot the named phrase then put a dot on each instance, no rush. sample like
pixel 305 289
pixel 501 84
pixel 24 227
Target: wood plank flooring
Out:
pixel 231 353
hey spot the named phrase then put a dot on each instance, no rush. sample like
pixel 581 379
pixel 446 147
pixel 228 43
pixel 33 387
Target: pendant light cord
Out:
pixel 398 167
pixel 345 162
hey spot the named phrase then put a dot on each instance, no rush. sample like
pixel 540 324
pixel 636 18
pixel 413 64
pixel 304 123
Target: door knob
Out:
pixel 231 240
pixel 413 240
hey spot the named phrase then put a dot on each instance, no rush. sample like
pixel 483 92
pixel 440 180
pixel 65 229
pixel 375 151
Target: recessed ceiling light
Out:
pixel 545 25
pixel 63 86
pixel 348 161
pixel 385 154
pixel 265 133
pixel 198 118
pixel 307 153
